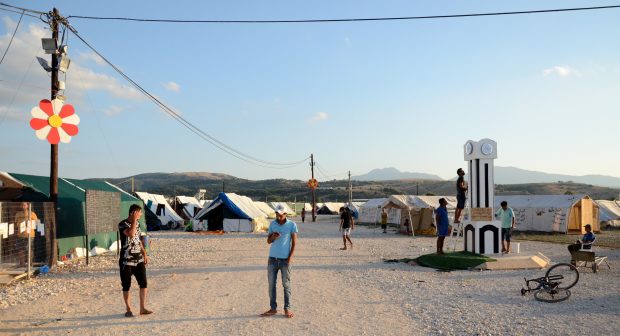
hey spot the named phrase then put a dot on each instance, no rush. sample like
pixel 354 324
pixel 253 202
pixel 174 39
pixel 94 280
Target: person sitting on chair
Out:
pixel 585 242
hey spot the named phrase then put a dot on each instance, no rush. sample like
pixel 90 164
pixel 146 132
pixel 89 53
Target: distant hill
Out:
pixel 503 175
pixel 386 174
pixel 187 184
pixel 512 175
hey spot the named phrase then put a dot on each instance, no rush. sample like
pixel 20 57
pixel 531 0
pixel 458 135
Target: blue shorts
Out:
pixel 442 231
pixel 506 233
pixel 460 201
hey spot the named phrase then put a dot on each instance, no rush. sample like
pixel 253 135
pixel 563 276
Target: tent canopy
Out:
pixel 188 206
pixel 160 207
pixel 266 209
pixel 284 206
pixel 72 204
pixel 609 212
pixel 552 213
pixel 228 209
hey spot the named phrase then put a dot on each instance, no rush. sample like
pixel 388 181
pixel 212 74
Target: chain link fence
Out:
pixel 25 240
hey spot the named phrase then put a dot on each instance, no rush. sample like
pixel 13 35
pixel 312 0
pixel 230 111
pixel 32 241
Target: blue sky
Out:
pixel 365 95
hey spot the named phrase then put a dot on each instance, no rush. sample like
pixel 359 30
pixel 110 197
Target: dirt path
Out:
pixel 218 285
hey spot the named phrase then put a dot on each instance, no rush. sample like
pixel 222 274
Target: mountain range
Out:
pixel 503 175
pixel 379 183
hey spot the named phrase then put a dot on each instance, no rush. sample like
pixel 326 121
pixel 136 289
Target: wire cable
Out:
pixel 427 17
pixel 19 12
pixel 217 143
pixel 23 9
pixel 13 36
pixel 17 90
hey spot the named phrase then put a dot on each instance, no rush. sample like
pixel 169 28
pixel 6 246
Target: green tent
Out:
pixel 70 227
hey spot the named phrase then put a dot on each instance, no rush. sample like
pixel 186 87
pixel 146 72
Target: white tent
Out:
pixel 370 211
pixel 329 208
pixel 188 206
pixel 419 210
pixel 231 212
pixel 266 209
pixel 609 213
pixel 160 207
pixel 285 206
pixel 552 213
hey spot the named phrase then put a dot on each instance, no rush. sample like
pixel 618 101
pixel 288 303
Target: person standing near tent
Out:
pixel 282 236
pixel 507 216
pixel 133 258
pixel 346 225
pixel 441 218
pixel 461 194
pixel 303 214
pixel 25 223
pixel 384 218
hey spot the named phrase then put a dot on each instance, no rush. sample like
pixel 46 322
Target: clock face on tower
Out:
pixel 469 148
pixel 487 149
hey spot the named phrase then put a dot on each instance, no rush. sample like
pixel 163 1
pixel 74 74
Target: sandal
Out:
pixel 129 314
pixel 270 312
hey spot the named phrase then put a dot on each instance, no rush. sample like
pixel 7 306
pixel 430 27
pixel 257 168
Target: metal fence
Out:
pixel 25 240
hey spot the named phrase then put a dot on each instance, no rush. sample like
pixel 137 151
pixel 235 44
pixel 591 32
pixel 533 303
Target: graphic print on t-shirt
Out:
pixel 131 250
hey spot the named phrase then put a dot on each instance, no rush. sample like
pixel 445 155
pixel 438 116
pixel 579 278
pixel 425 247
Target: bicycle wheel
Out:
pixel 566 275
pixel 552 294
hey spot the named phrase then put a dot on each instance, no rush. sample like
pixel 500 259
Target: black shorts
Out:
pixel 138 271
pixel 460 201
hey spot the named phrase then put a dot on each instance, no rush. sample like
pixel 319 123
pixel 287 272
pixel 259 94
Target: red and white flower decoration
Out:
pixel 54 121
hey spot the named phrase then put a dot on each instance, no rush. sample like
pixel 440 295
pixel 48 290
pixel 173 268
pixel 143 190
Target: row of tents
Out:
pixel 227 212
pixel 232 212
pixel 542 213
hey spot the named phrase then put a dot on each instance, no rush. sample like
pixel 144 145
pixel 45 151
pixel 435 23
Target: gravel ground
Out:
pixel 217 285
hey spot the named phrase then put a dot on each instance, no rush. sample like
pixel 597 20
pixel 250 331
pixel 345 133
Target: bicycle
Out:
pixel 549 288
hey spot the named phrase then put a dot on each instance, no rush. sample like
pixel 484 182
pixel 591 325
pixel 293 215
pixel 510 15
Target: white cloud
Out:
pixel 13 114
pixel 113 110
pixel 85 79
pixel 172 86
pixel 562 71
pixel 24 82
pixel 318 117
pixel 91 56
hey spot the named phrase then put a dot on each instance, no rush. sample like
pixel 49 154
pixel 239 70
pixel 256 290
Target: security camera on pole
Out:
pixel 482 233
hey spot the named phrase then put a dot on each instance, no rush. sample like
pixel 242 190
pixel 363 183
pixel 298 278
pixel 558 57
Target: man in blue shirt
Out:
pixel 282 237
pixel 507 216
pixel 441 218
pixel 585 243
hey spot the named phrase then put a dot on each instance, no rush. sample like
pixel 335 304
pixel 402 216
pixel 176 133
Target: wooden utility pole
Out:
pixel 313 195
pixel 54 22
pixel 350 189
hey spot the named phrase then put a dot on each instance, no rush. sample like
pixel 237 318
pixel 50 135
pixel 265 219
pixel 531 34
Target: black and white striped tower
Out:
pixel 482 234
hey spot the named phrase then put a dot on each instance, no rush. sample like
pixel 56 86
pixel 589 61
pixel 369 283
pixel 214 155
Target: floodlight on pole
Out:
pixel 64 64
pixel 49 45
pixel 44 64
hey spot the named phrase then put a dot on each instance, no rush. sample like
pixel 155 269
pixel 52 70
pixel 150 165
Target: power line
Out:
pixel 13 36
pixel 19 12
pixel 427 17
pixel 196 130
pixel 23 9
